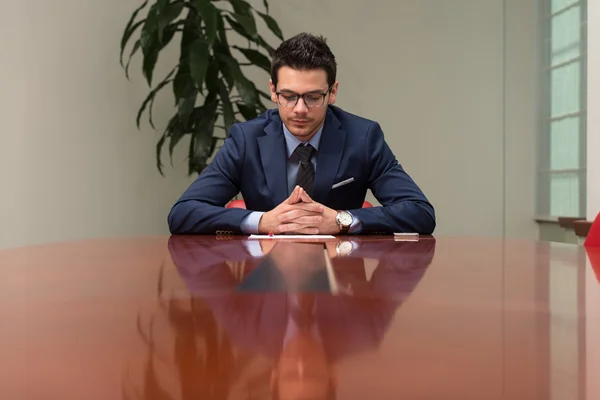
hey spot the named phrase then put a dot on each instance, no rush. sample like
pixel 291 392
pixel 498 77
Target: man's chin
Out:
pixel 301 132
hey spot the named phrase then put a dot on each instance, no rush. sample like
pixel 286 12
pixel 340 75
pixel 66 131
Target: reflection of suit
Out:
pixel 347 324
pixel 253 161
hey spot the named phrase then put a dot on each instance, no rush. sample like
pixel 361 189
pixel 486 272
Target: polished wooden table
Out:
pixel 194 317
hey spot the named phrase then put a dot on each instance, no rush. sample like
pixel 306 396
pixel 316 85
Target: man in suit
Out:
pixel 304 167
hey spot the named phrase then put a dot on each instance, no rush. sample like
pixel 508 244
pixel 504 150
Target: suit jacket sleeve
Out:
pixel 200 210
pixel 404 206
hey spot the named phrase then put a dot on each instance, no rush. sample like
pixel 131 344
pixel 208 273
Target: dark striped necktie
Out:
pixel 306 172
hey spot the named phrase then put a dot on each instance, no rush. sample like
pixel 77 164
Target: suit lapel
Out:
pixel 274 160
pixel 330 152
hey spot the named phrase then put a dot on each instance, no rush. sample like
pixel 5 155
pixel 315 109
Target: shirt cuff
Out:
pixel 356 225
pixel 250 222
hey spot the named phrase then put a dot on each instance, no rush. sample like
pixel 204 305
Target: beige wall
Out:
pixel 432 73
pixel 593 110
pixel 72 163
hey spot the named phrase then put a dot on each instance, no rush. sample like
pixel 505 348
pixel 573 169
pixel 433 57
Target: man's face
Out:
pixel 302 121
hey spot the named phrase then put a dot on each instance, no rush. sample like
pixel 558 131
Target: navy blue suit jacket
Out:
pixel 253 161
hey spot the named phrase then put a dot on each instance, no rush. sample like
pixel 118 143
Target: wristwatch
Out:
pixel 344 220
pixel 344 248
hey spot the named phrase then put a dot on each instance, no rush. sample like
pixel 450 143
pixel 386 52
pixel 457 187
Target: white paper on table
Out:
pixel 291 237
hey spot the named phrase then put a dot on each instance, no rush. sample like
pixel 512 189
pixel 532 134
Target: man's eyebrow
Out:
pixel 316 91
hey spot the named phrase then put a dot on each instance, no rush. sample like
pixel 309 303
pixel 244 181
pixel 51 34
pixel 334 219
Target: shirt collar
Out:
pixel 292 141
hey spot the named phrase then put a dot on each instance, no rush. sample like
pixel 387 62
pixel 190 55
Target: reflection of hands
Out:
pixel 331 249
pixel 267 245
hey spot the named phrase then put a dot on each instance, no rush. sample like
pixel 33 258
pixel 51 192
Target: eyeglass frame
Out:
pixel 301 96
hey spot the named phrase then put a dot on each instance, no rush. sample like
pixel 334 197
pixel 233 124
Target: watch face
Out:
pixel 344 218
pixel 344 248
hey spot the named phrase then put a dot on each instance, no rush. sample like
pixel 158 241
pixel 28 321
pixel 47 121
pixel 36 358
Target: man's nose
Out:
pixel 300 106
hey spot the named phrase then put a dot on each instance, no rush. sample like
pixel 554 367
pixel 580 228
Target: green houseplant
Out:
pixel 210 89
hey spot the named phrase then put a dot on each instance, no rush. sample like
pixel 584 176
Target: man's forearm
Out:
pixel 196 217
pixel 404 216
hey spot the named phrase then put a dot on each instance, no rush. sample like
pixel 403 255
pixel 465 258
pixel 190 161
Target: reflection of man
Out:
pixel 281 305
pixel 303 370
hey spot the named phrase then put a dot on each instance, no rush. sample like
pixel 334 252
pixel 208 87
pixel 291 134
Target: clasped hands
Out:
pixel 301 215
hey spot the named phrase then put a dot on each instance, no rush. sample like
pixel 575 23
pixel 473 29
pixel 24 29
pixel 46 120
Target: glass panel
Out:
pixel 564 195
pixel 564 144
pixel 558 5
pixel 566 35
pixel 565 89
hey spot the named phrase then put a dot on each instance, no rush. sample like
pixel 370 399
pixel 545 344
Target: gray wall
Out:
pixel 72 163
pixel 451 83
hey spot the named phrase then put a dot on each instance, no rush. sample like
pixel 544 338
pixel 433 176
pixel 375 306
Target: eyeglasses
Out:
pixel 311 100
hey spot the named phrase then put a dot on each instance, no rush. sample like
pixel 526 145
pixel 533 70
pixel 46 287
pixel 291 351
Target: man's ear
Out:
pixel 272 89
pixel 333 93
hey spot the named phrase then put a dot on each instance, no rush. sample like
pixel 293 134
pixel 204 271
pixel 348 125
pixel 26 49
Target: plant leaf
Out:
pixel 176 133
pixel 199 57
pixel 264 94
pixel 262 42
pixel 266 4
pixel 272 24
pixel 222 35
pixel 200 148
pixel 239 29
pixel 126 32
pixel 151 95
pixel 245 88
pixel 256 58
pixel 161 5
pixel 212 76
pixel 186 106
pixel 136 47
pixel 247 112
pixel 183 83
pixel 159 147
pixel 149 29
pixel 210 15
pixel 248 24
pixel 189 34
pixel 128 36
pixel 241 7
pixel 168 15
pixel 228 115
pixel 151 57
pixel 150 46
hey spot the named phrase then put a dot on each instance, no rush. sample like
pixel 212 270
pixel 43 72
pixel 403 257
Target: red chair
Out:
pixel 236 204
pixel 593 236
pixel 242 204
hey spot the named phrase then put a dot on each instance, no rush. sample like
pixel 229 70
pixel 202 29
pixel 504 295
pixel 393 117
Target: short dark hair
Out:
pixel 304 52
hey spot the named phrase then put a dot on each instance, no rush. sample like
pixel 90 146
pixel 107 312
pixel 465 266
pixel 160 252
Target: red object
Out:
pixel 236 204
pixel 593 254
pixel 593 236
pixel 242 204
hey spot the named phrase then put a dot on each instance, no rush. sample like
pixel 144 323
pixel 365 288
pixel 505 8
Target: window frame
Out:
pixel 545 173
